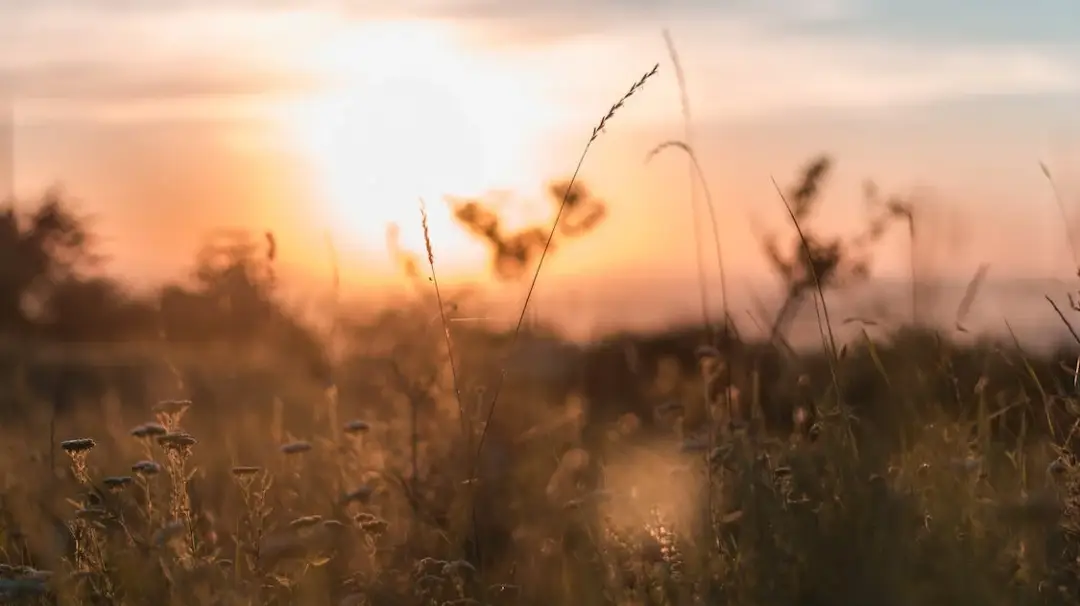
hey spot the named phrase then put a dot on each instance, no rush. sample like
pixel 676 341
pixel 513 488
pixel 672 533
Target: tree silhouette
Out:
pixel 514 252
pixel 48 246
pixel 830 262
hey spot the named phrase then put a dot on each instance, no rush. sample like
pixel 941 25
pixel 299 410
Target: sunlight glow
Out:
pixel 408 114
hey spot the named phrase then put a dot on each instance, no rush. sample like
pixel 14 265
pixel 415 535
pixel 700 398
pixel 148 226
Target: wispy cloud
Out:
pixel 745 59
pixel 750 72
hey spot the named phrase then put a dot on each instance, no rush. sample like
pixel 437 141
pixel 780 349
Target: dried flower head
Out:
pixel 357 426
pixel 297 447
pixel 172 407
pixel 243 471
pixel 146 468
pixel 305 521
pixel 148 431
pixel 78 445
pixel 371 524
pixel 170 412
pixel 177 440
pixel 117 482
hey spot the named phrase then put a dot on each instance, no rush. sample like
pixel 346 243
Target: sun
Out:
pixel 407 115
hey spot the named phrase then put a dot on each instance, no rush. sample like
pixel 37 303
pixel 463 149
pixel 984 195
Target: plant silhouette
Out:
pixel 514 252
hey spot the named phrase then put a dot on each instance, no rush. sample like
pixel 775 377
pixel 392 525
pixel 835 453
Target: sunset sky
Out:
pixel 167 119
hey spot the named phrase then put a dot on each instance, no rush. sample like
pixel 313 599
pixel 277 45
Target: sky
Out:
pixel 166 120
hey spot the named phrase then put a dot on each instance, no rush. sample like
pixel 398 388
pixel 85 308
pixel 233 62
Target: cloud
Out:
pixel 99 82
pixel 750 74
pixel 744 59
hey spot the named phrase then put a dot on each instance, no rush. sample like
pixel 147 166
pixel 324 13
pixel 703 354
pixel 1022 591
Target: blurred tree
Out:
pixel 513 253
pixel 37 251
pixel 812 259
pixel 233 300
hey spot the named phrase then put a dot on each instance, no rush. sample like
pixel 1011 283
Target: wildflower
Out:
pixel 117 482
pixel 297 447
pixel 241 471
pixel 148 430
pixel 78 445
pixel 177 440
pixel 357 426
pixel 146 468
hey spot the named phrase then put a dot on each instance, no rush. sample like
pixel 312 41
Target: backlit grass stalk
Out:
pixel 445 323
pixel 828 337
pixel 684 102
pixel 466 428
pixel 597 130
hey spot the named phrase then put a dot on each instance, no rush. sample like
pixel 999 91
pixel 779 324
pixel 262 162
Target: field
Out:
pixel 205 445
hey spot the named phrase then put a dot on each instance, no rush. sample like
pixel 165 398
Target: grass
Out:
pixel 901 469
pixel 946 502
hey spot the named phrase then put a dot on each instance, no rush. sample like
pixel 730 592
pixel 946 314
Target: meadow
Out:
pixel 203 444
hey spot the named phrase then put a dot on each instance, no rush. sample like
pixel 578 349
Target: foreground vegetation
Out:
pixel 939 476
